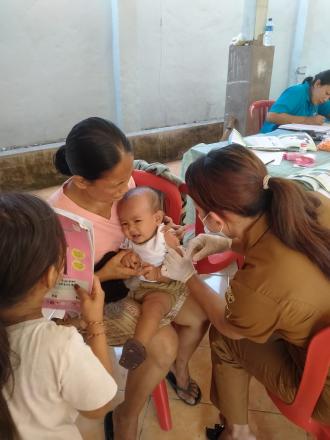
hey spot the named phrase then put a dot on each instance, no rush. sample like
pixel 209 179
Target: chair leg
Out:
pixel 160 398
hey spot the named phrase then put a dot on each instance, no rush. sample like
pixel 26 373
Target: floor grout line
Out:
pixel 266 412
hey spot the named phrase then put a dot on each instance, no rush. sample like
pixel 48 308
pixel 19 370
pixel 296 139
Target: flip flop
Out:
pixel 172 381
pixel 108 427
pixel 214 433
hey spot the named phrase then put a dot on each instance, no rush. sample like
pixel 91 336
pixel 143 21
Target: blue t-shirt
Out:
pixel 296 101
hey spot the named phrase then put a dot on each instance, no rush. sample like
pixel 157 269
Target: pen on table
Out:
pixel 267 163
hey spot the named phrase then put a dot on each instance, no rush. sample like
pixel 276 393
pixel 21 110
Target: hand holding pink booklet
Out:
pixel 79 264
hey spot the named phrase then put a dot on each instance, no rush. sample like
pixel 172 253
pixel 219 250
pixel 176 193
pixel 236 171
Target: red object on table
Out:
pixel 312 382
pixel 303 160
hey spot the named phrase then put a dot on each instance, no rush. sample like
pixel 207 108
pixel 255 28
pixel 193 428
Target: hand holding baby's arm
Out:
pixel 114 269
pixel 131 260
pixel 178 230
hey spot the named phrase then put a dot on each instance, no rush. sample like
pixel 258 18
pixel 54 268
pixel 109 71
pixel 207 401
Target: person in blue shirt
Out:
pixel 306 103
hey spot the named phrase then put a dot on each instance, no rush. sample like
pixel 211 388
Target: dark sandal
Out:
pixel 134 353
pixel 214 433
pixel 108 426
pixel 172 381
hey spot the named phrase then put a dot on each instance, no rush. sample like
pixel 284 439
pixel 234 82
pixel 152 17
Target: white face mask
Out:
pixel 207 230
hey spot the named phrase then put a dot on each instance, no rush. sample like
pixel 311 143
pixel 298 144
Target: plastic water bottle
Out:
pixel 268 35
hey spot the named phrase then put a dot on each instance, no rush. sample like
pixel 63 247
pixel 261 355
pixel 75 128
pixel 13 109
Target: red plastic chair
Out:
pixel 161 402
pixel 312 382
pixel 172 200
pixel 173 208
pixel 258 111
pixel 217 262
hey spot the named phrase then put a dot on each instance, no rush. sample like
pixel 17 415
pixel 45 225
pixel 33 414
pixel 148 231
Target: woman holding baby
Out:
pixel 98 160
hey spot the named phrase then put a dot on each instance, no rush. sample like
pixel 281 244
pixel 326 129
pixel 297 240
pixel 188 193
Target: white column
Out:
pixel 116 61
pixel 298 41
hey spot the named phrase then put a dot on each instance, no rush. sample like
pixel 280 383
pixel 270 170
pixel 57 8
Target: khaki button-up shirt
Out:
pixel 278 290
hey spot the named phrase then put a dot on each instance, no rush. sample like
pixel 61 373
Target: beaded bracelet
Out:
pixel 93 335
pixel 84 327
pixel 89 323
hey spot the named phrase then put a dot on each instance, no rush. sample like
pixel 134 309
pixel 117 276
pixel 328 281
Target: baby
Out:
pixel 141 219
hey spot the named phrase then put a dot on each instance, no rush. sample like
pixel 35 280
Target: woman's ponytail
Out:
pixel 7 427
pixel 61 163
pixel 293 215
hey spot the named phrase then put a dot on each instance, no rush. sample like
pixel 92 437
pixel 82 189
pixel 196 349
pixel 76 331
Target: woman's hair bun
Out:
pixel 309 80
pixel 60 162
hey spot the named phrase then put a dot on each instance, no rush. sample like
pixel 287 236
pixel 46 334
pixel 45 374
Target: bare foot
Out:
pixel 189 388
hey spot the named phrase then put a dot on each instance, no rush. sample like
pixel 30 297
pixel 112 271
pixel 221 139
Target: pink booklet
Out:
pixel 79 265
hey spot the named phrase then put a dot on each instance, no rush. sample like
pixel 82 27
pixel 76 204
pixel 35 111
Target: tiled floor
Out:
pixel 189 422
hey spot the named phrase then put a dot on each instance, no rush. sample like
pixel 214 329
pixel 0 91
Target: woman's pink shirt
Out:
pixel 107 232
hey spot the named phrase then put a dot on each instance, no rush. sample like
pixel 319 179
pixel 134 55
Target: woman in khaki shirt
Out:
pixel 281 296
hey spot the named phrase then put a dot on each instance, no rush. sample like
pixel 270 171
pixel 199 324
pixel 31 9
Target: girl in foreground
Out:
pixel 47 373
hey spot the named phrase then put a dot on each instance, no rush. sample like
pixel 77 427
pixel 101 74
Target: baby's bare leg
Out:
pixel 154 307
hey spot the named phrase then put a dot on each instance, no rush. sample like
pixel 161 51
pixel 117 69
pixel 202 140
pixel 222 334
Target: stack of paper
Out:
pixel 305 127
pixel 317 179
pixel 282 142
pixel 269 157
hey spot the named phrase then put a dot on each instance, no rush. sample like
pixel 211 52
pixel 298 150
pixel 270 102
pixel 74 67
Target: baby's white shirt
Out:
pixel 153 251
